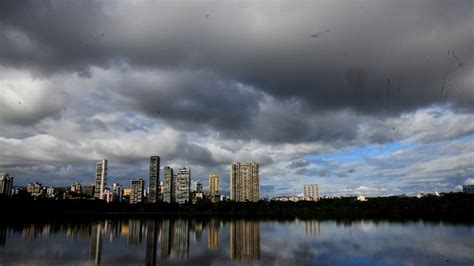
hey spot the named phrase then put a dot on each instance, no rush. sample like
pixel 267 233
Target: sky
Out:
pixel 368 98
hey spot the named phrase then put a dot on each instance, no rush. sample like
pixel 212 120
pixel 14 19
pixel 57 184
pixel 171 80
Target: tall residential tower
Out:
pixel 100 178
pixel 183 185
pixel 214 183
pixel 168 184
pixel 6 184
pixel 244 182
pixel 154 181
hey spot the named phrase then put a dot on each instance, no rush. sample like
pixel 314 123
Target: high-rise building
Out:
pixel 168 184
pixel 183 183
pixel 214 183
pixel 311 192
pixel 244 240
pixel 6 184
pixel 76 187
pixel 199 187
pixel 137 186
pixel 117 192
pixel 175 187
pixel 100 178
pixel 154 180
pixel 196 186
pixel 244 182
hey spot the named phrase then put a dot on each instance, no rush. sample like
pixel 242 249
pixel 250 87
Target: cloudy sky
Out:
pixel 361 97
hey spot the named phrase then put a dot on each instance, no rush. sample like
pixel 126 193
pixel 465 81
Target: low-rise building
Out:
pixel 35 188
pixel 468 188
pixel 50 192
pixel 107 195
pixel 88 190
pixel 361 198
pixel 76 187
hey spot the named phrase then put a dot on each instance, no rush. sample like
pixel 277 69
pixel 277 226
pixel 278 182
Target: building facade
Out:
pixel 88 190
pixel 117 192
pixel 214 183
pixel 6 184
pixel 107 195
pixel 168 184
pixel 100 178
pixel 137 188
pixel 468 188
pixel 35 188
pixel 50 192
pixel 183 185
pixel 311 192
pixel 76 187
pixel 154 179
pixel 244 182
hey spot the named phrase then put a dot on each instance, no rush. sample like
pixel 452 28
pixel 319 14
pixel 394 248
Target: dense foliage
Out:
pixel 450 207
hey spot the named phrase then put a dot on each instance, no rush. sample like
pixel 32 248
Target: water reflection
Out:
pixel 312 227
pixel 96 243
pixel 152 231
pixel 208 241
pixel 244 240
pixel 3 235
pixel 213 235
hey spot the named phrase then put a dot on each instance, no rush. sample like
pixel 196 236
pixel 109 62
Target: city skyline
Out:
pixel 154 172
pixel 372 98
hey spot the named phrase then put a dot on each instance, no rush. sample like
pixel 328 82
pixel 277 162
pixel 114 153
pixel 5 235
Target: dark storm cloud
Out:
pixel 391 56
pixel 199 101
pixel 192 100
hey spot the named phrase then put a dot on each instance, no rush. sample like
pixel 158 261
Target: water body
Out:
pixel 194 241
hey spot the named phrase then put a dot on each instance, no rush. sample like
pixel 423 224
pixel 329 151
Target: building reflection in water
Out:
pixel 29 232
pixel 3 235
pixel 165 238
pixel 180 239
pixel 244 240
pixel 213 234
pixel 152 231
pixel 96 243
pixel 173 235
pixel 312 227
pixel 135 232
pixel 197 227
pixel 175 238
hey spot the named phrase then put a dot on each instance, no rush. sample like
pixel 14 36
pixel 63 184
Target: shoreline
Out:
pixel 453 207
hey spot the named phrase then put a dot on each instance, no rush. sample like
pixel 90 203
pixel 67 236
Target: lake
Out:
pixel 206 241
